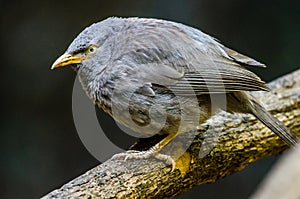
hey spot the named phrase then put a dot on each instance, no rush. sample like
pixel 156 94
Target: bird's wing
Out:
pixel 182 58
pixel 218 74
pixel 241 59
pixel 215 78
pixel 204 73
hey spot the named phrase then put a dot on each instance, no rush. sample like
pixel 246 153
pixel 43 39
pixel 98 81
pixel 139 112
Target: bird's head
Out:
pixel 90 48
pixel 89 54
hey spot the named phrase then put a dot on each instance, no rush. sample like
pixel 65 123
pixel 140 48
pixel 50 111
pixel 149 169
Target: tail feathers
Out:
pixel 273 124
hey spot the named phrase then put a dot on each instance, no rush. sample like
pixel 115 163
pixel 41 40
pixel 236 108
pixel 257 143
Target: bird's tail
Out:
pixel 272 123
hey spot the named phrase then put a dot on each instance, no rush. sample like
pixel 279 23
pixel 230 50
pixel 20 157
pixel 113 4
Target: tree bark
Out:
pixel 224 145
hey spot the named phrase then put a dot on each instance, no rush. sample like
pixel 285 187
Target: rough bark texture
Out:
pixel 224 145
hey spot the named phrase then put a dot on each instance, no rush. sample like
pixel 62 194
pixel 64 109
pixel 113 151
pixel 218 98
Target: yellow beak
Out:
pixel 66 59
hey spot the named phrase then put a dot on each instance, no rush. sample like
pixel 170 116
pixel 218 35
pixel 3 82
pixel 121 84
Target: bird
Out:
pixel 161 77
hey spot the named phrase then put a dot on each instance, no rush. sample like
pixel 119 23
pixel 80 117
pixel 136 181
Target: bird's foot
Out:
pixel 132 154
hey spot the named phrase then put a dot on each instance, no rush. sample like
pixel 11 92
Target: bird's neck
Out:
pixel 98 87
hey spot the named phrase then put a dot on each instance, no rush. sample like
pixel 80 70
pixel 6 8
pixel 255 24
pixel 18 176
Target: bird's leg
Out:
pixel 151 152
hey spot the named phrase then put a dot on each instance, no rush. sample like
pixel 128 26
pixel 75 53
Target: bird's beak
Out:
pixel 66 59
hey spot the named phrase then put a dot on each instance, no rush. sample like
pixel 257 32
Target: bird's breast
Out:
pixel 159 114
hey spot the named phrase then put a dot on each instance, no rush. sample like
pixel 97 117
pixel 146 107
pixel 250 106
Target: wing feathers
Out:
pixel 242 59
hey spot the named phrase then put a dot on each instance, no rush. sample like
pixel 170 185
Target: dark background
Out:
pixel 40 149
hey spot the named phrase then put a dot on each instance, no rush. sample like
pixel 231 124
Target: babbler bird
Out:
pixel 127 66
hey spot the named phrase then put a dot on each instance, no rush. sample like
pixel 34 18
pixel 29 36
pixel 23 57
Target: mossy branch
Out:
pixel 241 140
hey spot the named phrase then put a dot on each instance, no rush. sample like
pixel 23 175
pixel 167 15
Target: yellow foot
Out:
pixel 131 154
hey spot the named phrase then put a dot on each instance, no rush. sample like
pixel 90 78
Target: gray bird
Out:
pixel 161 77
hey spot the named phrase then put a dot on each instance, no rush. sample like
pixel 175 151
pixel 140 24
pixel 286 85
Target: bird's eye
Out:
pixel 91 49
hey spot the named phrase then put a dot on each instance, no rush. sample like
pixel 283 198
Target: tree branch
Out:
pixel 241 140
